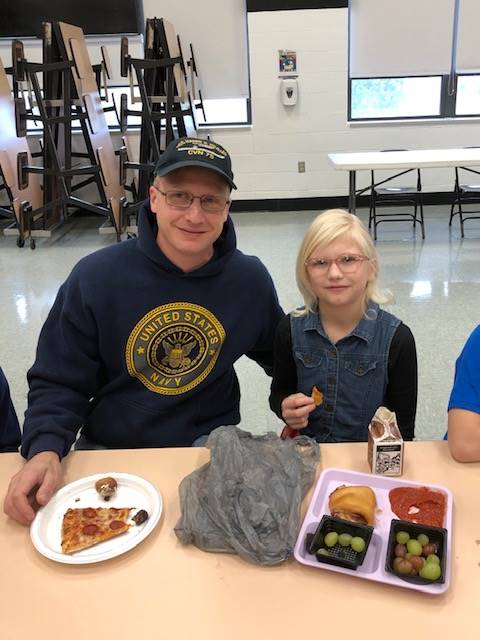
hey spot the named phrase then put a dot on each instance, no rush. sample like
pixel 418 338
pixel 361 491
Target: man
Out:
pixel 464 405
pixel 139 347
pixel 9 428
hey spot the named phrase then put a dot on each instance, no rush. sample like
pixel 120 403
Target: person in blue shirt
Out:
pixel 464 403
pixel 9 428
pixel 139 347
pixel 359 356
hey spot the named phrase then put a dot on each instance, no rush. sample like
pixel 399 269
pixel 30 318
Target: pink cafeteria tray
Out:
pixel 373 567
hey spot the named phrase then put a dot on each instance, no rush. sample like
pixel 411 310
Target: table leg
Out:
pixel 351 193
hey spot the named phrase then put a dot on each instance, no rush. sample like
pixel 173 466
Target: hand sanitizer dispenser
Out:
pixel 289 91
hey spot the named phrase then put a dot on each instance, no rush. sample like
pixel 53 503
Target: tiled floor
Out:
pixel 436 284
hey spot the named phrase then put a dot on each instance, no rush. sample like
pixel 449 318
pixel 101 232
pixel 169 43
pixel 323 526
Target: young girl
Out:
pixel 357 355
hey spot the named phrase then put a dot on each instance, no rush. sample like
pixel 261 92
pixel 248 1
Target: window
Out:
pixel 468 95
pixel 226 111
pixel 219 112
pixel 377 98
pixel 234 111
pixel 407 60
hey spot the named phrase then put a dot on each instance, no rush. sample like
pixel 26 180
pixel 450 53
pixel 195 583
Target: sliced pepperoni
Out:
pixel 89 513
pixel 90 529
pixel 117 524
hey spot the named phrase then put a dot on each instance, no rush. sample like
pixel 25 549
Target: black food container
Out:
pixel 338 555
pixel 436 536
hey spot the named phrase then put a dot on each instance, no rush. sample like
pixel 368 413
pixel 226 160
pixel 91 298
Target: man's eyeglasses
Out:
pixel 347 263
pixel 184 200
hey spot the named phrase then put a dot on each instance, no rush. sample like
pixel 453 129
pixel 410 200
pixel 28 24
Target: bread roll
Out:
pixel 353 503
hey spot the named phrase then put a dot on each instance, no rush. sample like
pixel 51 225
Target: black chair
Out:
pixel 396 196
pixel 464 194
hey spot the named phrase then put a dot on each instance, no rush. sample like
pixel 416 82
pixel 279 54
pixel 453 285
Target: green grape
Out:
pixel 402 537
pixel 433 558
pixel 358 544
pixel 430 571
pixel 331 539
pixel 322 552
pixel 423 539
pixel 414 547
pixel 344 539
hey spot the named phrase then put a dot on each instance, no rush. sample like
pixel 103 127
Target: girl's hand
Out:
pixel 296 409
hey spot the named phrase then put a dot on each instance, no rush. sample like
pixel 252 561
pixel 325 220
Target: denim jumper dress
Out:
pixel 352 374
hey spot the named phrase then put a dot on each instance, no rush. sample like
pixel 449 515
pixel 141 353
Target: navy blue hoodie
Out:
pixel 140 354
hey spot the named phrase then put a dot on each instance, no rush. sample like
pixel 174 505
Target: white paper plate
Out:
pixel 132 491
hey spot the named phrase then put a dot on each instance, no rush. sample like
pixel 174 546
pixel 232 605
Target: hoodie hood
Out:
pixel 224 246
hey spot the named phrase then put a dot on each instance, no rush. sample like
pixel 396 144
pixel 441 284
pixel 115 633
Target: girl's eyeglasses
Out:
pixel 347 263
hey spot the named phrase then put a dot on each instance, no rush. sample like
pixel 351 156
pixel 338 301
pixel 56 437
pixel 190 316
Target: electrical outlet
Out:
pixel 301 167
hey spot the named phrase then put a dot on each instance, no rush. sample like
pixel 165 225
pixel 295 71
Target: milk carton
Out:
pixel 385 444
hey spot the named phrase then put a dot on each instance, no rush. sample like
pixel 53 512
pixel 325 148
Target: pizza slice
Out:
pixel 83 528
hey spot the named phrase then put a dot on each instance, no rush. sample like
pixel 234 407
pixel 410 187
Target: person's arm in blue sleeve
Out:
pixel 464 404
pixel 65 376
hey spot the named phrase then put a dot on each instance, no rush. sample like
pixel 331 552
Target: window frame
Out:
pixel 247 122
pixel 463 75
pixel 448 101
pixel 399 117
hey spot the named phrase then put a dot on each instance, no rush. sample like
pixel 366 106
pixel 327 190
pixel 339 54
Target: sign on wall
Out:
pixel 287 62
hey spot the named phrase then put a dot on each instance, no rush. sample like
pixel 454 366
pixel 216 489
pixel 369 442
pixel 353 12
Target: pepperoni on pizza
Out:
pixel 83 528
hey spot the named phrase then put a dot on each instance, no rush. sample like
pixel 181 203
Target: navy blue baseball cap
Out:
pixel 195 152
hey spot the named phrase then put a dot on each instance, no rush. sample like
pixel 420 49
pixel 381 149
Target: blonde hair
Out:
pixel 327 227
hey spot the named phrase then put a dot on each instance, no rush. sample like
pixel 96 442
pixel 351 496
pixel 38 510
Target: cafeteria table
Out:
pixel 401 160
pixel 162 589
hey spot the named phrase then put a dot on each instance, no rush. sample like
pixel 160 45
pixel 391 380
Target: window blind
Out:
pixel 468 48
pixel 217 30
pixel 390 38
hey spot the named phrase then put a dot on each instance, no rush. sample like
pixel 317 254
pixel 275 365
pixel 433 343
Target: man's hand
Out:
pixel 296 409
pixel 36 482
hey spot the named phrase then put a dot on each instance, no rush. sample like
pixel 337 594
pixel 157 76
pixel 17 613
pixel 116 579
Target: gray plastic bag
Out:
pixel 247 499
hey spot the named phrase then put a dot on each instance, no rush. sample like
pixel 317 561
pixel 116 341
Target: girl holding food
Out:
pixel 340 356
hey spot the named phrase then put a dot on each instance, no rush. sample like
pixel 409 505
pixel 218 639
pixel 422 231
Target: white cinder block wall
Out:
pixel 266 156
